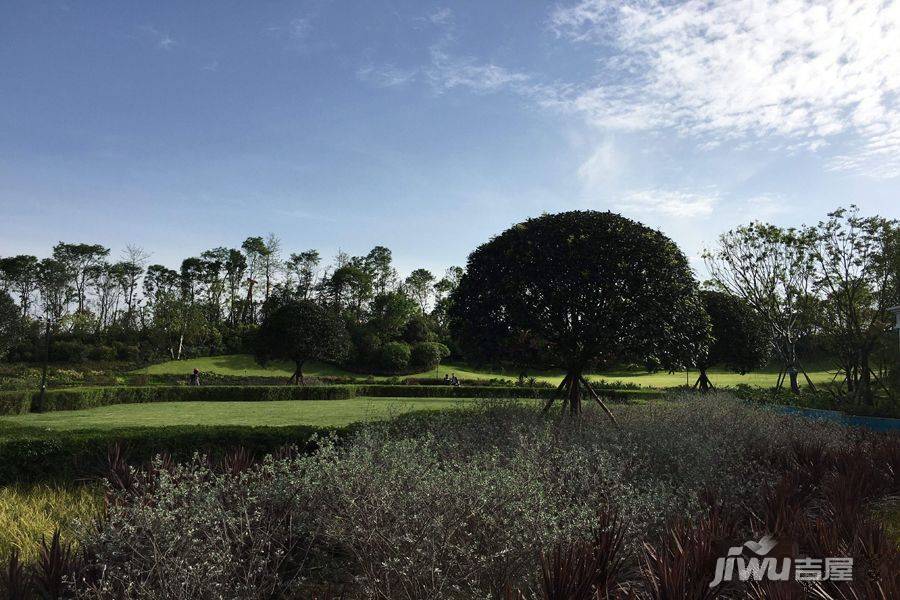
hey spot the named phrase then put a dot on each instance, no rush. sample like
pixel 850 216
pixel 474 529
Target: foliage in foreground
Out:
pixel 496 503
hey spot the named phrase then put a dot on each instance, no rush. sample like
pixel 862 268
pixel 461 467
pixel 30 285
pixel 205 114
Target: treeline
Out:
pixel 97 308
pixel 577 295
pixel 830 286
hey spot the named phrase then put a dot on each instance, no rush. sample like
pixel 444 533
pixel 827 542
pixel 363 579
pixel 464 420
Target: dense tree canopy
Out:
pixel 301 331
pixel 10 321
pixel 577 290
pixel 741 341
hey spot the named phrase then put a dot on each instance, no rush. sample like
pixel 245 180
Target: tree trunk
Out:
pixel 703 382
pixel 575 395
pixel 570 390
pixel 297 377
pixel 865 378
pixel 793 373
pixel 180 346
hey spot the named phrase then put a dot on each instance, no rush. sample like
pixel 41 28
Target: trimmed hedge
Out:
pixel 79 398
pixel 15 403
pixel 449 391
pixel 32 455
pixel 86 397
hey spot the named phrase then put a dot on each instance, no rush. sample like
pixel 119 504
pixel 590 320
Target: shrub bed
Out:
pixel 506 502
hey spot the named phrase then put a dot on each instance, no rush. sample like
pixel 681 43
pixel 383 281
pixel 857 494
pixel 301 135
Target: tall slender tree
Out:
pixel 773 270
pixel 855 271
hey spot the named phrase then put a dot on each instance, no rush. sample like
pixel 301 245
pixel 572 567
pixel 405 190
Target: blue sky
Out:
pixel 429 127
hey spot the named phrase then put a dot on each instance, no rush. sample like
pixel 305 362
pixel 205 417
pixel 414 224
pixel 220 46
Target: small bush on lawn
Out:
pixel 463 504
pixel 428 354
pixel 394 357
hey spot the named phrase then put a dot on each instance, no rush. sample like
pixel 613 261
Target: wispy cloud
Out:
pixel 445 69
pixel 766 206
pixel 802 71
pixel 601 166
pixel 386 75
pixel 163 40
pixel 299 28
pixel 442 16
pixel 670 203
pixel 447 72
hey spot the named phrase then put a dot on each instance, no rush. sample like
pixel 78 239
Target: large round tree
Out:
pixel 741 341
pixel 301 331
pixel 580 290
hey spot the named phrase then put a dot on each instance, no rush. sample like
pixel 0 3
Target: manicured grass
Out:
pixel 30 512
pixel 244 365
pixel 320 413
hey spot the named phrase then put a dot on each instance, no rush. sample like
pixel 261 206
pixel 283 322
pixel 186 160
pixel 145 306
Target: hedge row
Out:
pixel 31 455
pixel 21 402
pixel 14 403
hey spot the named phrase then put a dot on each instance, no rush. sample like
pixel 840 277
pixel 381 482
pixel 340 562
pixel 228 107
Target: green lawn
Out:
pixel 244 365
pixel 323 413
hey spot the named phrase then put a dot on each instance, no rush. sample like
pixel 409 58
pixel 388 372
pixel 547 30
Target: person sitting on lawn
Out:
pixel 454 380
pixel 195 377
pixel 447 379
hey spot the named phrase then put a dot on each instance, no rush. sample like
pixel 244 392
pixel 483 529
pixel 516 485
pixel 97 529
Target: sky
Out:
pixel 430 127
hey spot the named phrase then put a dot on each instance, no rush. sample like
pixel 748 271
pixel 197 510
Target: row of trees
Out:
pixel 214 302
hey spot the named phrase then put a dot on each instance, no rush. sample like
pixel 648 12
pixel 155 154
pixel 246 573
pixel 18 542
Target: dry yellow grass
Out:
pixel 28 512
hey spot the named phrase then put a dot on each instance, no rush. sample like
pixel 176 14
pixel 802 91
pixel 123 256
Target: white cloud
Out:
pixel 441 16
pixel 163 40
pixel 601 166
pixel 766 206
pixel 299 28
pixel 167 43
pixel 447 72
pixel 668 203
pixel 805 72
pixel 386 75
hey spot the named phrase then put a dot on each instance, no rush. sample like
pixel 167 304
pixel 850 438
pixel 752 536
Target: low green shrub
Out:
pixel 428 354
pixel 394 357
pixel 15 403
